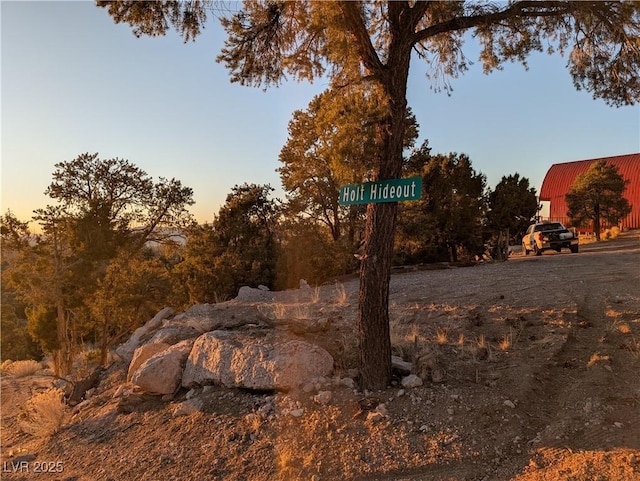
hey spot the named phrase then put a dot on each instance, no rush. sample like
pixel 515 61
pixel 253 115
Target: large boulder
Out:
pixel 251 294
pixel 254 360
pixel 162 372
pixel 226 315
pixel 141 354
pixel 173 333
pixel 128 348
pixel 403 367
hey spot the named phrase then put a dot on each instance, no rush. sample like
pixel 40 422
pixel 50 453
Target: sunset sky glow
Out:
pixel 74 82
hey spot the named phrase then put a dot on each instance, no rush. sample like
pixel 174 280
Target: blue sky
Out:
pixel 72 82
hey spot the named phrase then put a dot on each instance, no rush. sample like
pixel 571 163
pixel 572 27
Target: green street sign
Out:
pixel 392 190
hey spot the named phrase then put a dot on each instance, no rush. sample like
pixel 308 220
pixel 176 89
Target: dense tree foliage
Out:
pixel 374 42
pixel 245 224
pixel 16 343
pixel 330 144
pixel 106 210
pixel 307 251
pixel 447 221
pixel 197 269
pixel 512 205
pixel 115 204
pixel 133 288
pixel 238 249
pixel 41 272
pixel 598 195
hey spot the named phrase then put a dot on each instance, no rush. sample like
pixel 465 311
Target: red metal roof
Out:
pixel 560 177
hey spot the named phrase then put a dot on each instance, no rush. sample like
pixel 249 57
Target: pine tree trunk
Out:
pixel 373 315
pixel 63 356
pixel 375 268
pixel 104 343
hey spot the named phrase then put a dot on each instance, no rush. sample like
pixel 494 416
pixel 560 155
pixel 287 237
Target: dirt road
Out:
pixel 573 372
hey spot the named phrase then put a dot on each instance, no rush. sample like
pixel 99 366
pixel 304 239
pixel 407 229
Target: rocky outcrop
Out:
pixel 411 381
pixel 127 349
pixel 262 340
pixel 143 353
pixel 173 334
pixel 228 315
pixel 250 294
pixel 402 367
pixel 162 372
pixel 254 360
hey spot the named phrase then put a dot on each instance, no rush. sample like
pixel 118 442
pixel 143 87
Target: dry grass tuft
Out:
pixel 302 311
pixel 24 368
pixel 342 296
pixel 5 366
pixel 624 328
pixel 634 348
pixel 44 413
pixel 442 336
pixel 285 460
pixel 506 342
pixel 273 311
pixel 405 339
pixel 426 364
pixel 219 298
pixel 291 464
pixel 597 357
pixel 346 354
pixel 254 422
pixel 616 325
pixel 613 320
pixel 315 295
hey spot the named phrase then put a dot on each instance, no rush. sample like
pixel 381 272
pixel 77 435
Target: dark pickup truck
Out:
pixel 549 236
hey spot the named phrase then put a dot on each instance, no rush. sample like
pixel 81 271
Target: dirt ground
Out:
pixel 531 372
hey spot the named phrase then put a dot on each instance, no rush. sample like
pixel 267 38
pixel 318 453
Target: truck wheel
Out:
pixel 536 250
pixel 574 249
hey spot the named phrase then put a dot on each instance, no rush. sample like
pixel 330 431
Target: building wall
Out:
pixel 560 177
